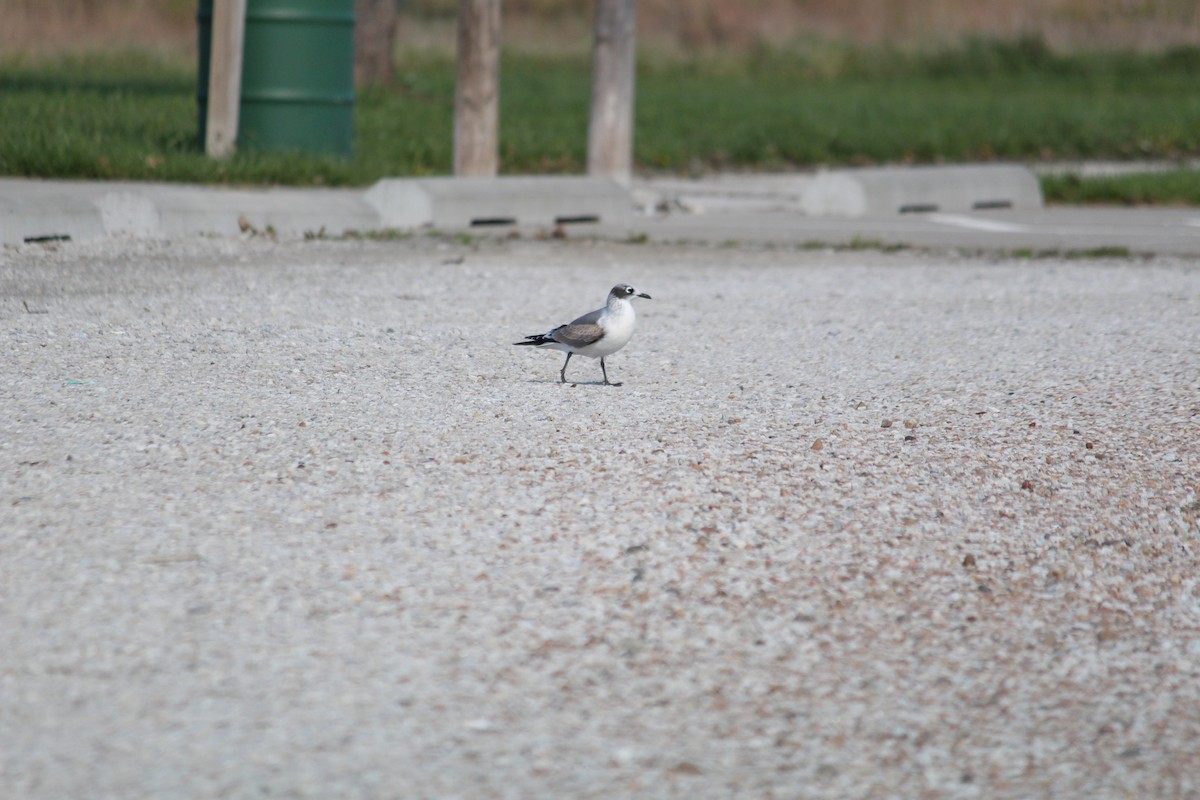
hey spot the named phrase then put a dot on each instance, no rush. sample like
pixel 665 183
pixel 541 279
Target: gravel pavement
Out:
pixel 294 519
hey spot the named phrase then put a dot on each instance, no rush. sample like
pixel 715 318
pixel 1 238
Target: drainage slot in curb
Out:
pixel 918 208
pixel 984 205
pixel 53 237
pixel 491 222
pixel 577 219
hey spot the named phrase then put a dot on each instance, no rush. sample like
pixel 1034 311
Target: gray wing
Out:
pixel 577 334
pixel 590 318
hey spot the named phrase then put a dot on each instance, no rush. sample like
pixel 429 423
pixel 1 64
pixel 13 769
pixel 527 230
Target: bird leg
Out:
pixel 604 372
pixel 563 374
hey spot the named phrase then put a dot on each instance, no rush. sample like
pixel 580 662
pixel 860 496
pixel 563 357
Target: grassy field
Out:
pixel 134 116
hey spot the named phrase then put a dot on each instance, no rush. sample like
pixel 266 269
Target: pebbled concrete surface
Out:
pixel 295 520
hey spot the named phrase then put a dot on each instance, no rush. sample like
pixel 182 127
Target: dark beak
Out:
pixel 643 294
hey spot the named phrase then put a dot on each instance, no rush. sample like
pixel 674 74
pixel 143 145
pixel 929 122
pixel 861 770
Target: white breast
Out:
pixel 618 326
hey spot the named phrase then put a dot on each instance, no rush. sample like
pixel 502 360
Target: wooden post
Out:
pixel 610 128
pixel 224 77
pixel 376 23
pixel 477 94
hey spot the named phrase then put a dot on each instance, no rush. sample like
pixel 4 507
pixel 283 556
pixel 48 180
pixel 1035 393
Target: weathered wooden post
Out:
pixel 225 77
pixel 610 128
pixel 477 93
pixel 376 23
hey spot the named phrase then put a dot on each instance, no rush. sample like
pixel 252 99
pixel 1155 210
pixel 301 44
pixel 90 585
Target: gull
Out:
pixel 597 334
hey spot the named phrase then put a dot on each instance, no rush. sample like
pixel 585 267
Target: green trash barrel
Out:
pixel 297 75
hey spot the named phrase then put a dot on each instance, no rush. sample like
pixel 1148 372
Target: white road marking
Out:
pixel 978 223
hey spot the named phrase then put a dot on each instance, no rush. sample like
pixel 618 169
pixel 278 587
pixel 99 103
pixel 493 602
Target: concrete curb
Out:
pixel 899 190
pixel 992 206
pixel 33 210
pixel 454 203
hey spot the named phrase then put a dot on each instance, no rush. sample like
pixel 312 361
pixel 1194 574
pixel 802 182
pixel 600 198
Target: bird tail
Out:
pixel 537 339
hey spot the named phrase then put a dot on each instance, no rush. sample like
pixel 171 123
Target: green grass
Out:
pixel 1176 187
pixel 818 103
pixel 981 102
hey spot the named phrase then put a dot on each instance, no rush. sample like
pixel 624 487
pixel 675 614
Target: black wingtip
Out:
pixel 537 339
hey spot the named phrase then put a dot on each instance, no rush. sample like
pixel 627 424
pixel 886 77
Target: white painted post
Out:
pixel 610 128
pixel 224 77
pixel 477 93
